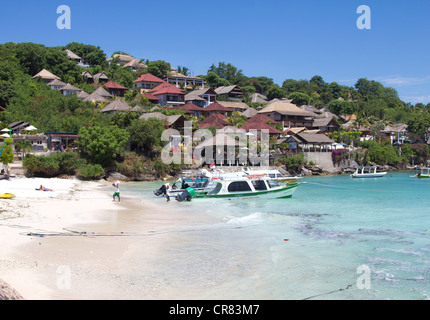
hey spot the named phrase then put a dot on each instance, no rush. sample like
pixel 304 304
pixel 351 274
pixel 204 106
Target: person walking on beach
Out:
pixel 116 191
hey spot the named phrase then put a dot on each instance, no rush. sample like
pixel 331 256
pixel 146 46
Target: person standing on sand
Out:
pixel 116 192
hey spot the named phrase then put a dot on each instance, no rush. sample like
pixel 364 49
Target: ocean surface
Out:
pixel 336 238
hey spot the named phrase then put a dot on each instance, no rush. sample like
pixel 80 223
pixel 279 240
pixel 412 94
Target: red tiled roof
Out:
pixel 165 88
pixel 216 107
pixel 113 85
pixel 147 77
pixel 260 126
pixel 259 117
pixel 215 120
pixel 151 97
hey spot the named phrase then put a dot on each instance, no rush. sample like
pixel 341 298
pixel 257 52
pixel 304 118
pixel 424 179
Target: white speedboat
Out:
pixel 367 172
pixel 249 188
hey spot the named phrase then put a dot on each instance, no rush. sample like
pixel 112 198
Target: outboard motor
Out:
pixel 161 191
pixel 186 195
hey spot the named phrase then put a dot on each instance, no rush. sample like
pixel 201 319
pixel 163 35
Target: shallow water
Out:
pixel 336 238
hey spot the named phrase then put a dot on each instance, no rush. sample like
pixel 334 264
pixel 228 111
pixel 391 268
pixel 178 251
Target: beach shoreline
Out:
pixel 75 243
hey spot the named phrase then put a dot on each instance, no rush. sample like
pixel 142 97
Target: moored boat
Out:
pixel 249 188
pixel 424 173
pixel 367 172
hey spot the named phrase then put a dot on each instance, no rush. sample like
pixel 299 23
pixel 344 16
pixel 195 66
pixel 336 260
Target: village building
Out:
pixel 46 76
pixel 201 97
pixel 117 105
pixel 216 107
pixel 87 76
pixel 135 65
pixel 174 121
pixel 258 98
pixel 249 113
pixel 326 124
pixel 147 81
pixel 288 114
pixel 182 81
pixel 230 92
pixel 56 84
pixel 115 89
pixel 168 94
pixel 77 59
pixel 216 120
pixel 69 89
pixel 100 78
pixel 305 141
pixel 191 109
pixel 235 106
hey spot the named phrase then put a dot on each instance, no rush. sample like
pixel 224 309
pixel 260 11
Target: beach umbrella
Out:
pixel 6 135
pixel 5 130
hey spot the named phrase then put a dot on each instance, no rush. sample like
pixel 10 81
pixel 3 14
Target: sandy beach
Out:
pixel 75 243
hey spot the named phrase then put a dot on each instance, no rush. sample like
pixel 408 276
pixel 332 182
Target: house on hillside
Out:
pixel 326 124
pixel 56 84
pixel 314 141
pixel 182 81
pixel 117 105
pixel 217 108
pixel 167 94
pixel 46 76
pixel 230 92
pixel 147 81
pixel 191 109
pixel 201 97
pixel 69 89
pixel 216 120
pixel 235 106
pixel 87 76
pixel 288 114
pixel 258 98
pixel 100 78
pixel 115 89
pixel 74 57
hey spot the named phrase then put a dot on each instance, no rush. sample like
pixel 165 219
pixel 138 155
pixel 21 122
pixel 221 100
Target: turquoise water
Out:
pixel 314 245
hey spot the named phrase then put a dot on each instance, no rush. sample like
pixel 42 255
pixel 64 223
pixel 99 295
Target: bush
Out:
pixel 293 162
pixel 53 165
pixel 91 171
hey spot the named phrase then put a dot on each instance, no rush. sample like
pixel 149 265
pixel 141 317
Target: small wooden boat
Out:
pixel 367 172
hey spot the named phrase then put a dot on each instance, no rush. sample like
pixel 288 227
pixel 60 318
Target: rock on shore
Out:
pixel 8 293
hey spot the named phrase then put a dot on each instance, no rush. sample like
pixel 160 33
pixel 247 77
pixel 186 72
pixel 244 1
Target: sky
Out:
pixel 287 39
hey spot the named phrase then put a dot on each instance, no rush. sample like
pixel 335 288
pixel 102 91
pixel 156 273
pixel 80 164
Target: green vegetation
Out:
pixel 121 141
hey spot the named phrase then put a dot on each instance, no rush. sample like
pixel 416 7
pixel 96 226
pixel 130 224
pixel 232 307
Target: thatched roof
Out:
pixel 285 108
pixel 46 75
pixel 234 105
pixel 314 138
pixel 82 95
pixel 258 98
pixel 56 83
pixel 117 105
pixel 249 113
pixel 69 87
pixel 72 55
pixel 103 93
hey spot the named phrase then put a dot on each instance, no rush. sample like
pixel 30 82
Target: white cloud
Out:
pixel 397 80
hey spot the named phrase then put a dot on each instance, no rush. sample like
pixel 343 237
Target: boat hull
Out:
pixel 284 192
pixel 369 175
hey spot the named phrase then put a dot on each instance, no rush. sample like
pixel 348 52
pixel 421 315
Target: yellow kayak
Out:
pixel 7 196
